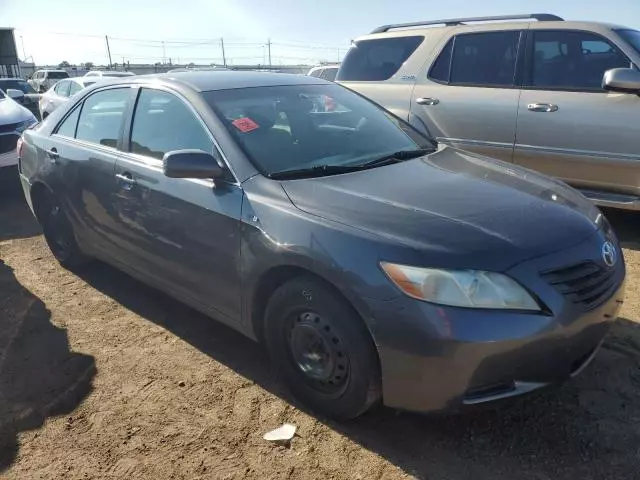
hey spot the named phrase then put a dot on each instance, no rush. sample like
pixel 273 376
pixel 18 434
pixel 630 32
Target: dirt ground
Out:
pixel 103 377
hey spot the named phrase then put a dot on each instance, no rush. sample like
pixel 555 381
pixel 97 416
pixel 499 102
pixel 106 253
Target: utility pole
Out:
pixel 164 54
pixel 108 50
pixel 24 52
pixel 269 47
pixel 224 57
pixel 123 67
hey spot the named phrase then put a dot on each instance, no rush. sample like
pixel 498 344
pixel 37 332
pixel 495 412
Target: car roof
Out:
pixel 490 26
pixel 205 81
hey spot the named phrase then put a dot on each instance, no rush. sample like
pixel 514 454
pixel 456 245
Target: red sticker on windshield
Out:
pixel 245 124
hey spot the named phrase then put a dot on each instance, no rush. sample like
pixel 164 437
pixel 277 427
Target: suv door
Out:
pixel 468 97
pixel 568 126
pixel 83 150
pixel 182 234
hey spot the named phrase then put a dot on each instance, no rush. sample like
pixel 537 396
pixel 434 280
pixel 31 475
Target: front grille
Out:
pixel 586 284
pixel 8 143
pixel 9 127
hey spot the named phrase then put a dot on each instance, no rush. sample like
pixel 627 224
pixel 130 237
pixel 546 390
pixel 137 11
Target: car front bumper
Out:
pixel 445 358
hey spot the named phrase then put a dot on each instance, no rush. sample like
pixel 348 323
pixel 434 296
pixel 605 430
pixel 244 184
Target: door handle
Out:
pixel 427 101
pixel 53 155
pixel 126 180
pixel 542 107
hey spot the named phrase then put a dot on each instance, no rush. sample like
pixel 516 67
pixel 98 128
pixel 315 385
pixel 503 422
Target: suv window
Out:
pixel 101 116
pixel 571 60
pixel 482 59
pixel 377 59
pixel 163 123
pixel 57 75
pixel 62 88
pixel 75 88
pixel 68 127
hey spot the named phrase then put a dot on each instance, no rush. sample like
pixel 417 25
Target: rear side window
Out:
pixel 442 65
pixel 485 59
pixel 377 59
pixel 102 115
pixel 57 75
pixel 68 127
pixel 75 88
pixel 571 60
pixel 62 88
pixel 163 123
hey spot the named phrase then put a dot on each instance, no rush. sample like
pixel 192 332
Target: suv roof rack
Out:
pixel 541 17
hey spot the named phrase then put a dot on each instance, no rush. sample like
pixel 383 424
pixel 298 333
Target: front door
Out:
pixel 468 97
pixel 182 234
pixel 568 126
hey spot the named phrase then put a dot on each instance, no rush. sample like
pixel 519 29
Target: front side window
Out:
pixel 483 59
pixel 102 116
pixel 68 127
pixel 572 60
pixel 62 89
pixel 163 123
pixel 377 59
pixel 304 126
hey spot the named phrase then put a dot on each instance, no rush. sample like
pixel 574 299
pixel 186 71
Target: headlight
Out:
pixel 22 126
pixel 460 288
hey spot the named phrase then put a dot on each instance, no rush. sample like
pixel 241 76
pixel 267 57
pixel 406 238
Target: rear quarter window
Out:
pixel 377 59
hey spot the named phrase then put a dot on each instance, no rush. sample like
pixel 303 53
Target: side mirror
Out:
pixel 191 164
pixel 625 80
pixel 17 95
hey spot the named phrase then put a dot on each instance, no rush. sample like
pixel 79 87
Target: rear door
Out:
pixel 83 151
pixel 181 234
pixel 568 126
pixel 371 68
pixel 468 97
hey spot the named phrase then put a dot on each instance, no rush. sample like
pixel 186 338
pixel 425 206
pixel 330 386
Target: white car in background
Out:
pixel 14 119
pixel 43 80
pixel 107 73
pixel 326 72
pixel 61 91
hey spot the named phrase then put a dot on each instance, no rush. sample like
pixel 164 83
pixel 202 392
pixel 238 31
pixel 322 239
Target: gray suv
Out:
pixel 552 95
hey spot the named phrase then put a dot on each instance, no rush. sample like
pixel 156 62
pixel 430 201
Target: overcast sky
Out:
pixel 300 31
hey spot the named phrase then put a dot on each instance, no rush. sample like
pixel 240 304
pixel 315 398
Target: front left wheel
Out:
pixel 322 349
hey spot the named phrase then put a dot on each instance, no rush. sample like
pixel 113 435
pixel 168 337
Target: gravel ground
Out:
pixel 103 377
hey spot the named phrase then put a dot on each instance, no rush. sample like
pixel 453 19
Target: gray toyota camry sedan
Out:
pixel 375 265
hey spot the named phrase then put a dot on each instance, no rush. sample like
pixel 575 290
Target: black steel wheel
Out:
pixel 322 349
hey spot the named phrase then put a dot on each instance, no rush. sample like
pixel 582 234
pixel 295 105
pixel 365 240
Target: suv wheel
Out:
pixel 322 349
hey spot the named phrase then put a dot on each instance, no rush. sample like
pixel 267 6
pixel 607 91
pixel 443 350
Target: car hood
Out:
pixel 459 210
pixel 12 112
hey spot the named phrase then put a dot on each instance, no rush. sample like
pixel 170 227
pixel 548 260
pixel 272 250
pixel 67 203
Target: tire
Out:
pixel 58 233
pixel 322 349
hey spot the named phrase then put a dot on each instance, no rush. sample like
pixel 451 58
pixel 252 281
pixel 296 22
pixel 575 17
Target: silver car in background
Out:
pixel 43 80
pixel 60 93
pixel 14 119
pixel 107 73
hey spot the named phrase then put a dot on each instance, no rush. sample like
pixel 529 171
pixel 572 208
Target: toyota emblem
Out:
pixel 609 254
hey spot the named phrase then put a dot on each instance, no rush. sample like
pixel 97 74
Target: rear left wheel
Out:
pixel 58 232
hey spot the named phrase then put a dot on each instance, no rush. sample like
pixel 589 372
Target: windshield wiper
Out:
pixel 315 171
pixel 324 170
pixel 395 157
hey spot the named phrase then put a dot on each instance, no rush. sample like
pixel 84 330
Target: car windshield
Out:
pixel 17 84
pixel 631 36
pixel 295 127
pixel 56 75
